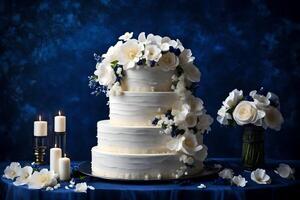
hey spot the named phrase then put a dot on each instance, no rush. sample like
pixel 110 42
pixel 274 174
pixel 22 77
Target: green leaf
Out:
pixel 114 63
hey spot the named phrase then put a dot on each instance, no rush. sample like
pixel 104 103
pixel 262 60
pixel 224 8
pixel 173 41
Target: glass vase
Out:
pixel 253 147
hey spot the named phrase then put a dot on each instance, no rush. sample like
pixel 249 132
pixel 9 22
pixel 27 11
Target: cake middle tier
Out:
pixel 139 108
pixel 129 139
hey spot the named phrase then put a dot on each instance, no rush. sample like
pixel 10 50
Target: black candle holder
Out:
pixel 60 141
pixel 40 147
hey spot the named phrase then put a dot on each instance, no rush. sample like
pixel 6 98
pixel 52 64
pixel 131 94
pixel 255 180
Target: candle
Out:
pixel 64 168
pixel 40 128
pixel 55 155
pixel 59 123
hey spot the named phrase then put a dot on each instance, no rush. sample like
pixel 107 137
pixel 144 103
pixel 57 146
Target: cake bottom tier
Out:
pixel 137 166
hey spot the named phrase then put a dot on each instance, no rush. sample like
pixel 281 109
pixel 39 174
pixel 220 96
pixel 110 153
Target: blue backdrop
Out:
pixel 47 54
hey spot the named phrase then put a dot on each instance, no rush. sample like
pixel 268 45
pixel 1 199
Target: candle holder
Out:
pixel 60 141
pixel 40 146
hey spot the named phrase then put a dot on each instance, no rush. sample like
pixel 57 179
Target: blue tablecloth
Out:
pixel 216 188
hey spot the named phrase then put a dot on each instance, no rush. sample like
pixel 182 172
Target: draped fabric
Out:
pixel 216 188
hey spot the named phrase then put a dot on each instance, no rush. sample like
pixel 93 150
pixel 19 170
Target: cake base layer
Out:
pixel 131 139
pixel 137 166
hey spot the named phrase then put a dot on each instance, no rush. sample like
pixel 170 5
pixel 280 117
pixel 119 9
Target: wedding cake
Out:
pixel 156 125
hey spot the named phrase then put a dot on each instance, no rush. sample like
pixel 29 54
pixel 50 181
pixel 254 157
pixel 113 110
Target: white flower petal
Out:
pixel 226 173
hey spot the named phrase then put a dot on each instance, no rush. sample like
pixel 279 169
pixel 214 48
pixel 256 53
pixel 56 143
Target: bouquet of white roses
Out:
pixel 257 109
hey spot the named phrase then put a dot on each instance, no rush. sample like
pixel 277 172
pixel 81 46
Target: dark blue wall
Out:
pixel 47 54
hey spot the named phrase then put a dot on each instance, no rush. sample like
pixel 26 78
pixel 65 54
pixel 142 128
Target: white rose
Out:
pixel 260 176
pixel 285 171
pixel 204 123
pixel 12 170
pixel 239 181
pixel 191 72
pixel 191 120
pixel 186 57
pixel 273 118
pixel 181 113
pixel 261 101
pixel 247 113
pixel 190 144
pixel 196 105
pixel 105 75
pixel 234 97
pixel 168 61
pixel 126 36
pixel 130 53
pixel 166 42
pixel 152 52
pixel 24 175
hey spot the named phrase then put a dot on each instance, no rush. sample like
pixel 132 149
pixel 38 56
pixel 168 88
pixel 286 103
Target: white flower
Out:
pixel 190 144
pixel 105 75
pixel 260 176
pixel 181 113
pixel 24 175
pixel 81 187
pixel 191 120
pixel 42 179
pixel 239 181
pixel 168 61
pixel 175 144
pixel 196 105
pixel 223 116
pixel 204 122
pixel 152 52
pixel 246 112
pixel 273 118
pixel 186 57
pixel 191 72
pixel 142 38
pixel 11 171
pixel 166 43
pixel 201 186
pixel 130 53
pixel 234 97
pixel 260 101
pixel 126 36
pixel 226 173
pixel 116 90
pixel 154 39
pixel 186 159
pixel 285 171
pixel 112 54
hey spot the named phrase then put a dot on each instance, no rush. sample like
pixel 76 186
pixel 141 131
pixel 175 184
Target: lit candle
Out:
pixel 40 128
pixel 59 123
pixel 55 155
pixel 64 168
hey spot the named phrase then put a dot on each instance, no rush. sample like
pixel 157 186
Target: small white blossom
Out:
pixel 239 181
pixel 24 175
pixel 12 170
pixel 285 171
pixel 81 187
pixel 126 36
pixel 226 173
pixel 260 176
pixel 42 179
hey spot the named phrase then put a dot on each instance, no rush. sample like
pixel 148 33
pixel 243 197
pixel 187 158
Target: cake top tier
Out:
pixel 148 63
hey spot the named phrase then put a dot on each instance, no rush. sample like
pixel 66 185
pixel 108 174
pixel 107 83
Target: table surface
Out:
pixel 216 188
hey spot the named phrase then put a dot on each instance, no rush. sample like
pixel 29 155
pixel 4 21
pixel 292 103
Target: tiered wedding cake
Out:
pixel 156 125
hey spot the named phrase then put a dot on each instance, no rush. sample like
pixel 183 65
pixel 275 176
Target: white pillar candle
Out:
pixel 59 123
pixel 40 128
pixel 55 155
pixel 64 168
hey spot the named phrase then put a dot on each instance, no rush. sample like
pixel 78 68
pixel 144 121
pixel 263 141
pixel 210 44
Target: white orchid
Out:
pixel 42 179
pixel 105 75
pixel 239 181
pixel 234 97
pixel 126 36
pixel 168 61
pixel 285 171
pixel 24 175
pixel 81 187
pixel 223 115
pixel 11 171
pixel 246 112
pixel 130 53
pixel 260 176
pixel 273 118
pixel 261 101
pixel 152 52
pixel 204 123
pixel 186 143
pixel 226 173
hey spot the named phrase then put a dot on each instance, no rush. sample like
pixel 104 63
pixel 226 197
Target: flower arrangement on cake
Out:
pixel 157 75
pixel 255 113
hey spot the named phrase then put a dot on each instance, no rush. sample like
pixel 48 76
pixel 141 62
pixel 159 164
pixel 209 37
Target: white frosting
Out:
pixel 139 108
pixel 128 139
pixel 146 79
pixel 137 166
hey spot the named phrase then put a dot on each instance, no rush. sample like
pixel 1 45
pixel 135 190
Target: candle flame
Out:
pixel 40 118
pixel 65 155
pixel 59 113
pixel 55 145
